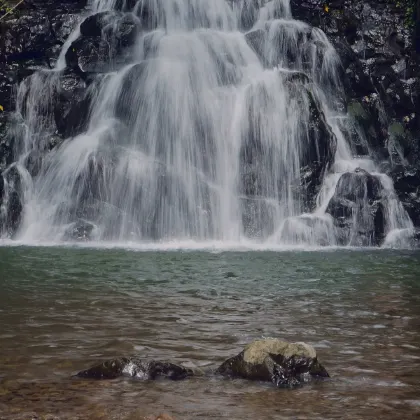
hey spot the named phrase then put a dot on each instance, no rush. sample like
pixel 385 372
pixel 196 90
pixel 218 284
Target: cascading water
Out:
pixel 221 122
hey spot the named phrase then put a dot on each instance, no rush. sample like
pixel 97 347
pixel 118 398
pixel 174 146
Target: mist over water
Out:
pixel 205 135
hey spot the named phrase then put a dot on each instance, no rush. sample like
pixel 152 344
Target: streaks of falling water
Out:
pixel 203 135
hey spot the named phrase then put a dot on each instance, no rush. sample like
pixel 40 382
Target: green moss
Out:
pixel 355 109
pixel 409 9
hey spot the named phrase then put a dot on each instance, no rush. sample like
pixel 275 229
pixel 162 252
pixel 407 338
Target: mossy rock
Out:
pixel 272 360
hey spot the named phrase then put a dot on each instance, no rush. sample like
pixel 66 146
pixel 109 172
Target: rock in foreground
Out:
pixel 271 360
pixel 136 368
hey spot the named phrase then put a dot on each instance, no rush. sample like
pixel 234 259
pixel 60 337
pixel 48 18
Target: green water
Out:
pixel 62 309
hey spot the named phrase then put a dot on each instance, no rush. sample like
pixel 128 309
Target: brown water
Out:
pixel 64 309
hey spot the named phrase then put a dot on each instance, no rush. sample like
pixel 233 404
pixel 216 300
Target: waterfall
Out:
pixel 222 121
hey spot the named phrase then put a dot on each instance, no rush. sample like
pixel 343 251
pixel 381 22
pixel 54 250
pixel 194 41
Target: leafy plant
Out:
pixel 409 8
pixel 8 7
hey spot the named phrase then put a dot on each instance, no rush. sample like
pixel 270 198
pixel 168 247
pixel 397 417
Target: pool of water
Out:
pixel 63 309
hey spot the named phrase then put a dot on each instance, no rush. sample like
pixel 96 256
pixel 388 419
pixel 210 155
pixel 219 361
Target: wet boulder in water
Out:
pixel 358 210
pixel 272 360
pixel 79 231
pixel 308 229
pixel 136 368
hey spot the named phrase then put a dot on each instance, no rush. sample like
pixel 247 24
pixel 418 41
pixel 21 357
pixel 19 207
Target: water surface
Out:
pixel 63 309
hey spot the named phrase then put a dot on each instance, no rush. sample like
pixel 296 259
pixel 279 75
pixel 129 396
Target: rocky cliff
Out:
pixel 377 42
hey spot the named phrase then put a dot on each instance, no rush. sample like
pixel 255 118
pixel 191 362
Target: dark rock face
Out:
pixel 104 42
pixel 407 186
pixel 71 105
pixel 317 153
pixel 136 368
pixel 357 209
pixel 31 39
pixel 380 73
pixel 11 193
pixel 284 364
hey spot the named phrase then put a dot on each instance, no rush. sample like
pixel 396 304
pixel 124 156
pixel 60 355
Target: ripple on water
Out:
pixel 57 319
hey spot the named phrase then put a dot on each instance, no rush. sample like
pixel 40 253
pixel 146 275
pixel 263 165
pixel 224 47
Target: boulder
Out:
pixel 136 368
pixel 272 360
pixel 71 104
pixel 104 43
pixel 316 146
pixel 357 208
pixel 79 231
pixel 308 229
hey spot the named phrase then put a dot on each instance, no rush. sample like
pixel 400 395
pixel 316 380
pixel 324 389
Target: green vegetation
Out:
pixel 409 7
pixel 8 7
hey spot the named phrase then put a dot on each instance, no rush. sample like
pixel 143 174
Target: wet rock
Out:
pixel 316 150
pixel 125 5
pixel 407 185
pixel 256 40
pixel 271 360
pixel 104 44
pixel 6 144
pixel 316 157
pixel 71 104
pixel 81 230
pixel 403 238
pixel 379 75
pixel 12 197
pixel 322 141
pixel 308 230
pixel 66 108
pixel 258 217
pixel 136 368
pixel 358 210
pixel 33 162
pixel 248 12
pixel 94 25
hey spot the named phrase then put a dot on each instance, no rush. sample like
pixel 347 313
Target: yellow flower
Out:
pixel 1 108
pixel 326 8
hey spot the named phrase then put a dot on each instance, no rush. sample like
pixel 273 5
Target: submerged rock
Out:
pixel 136 368
pixel 272 360
pixel 79 231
